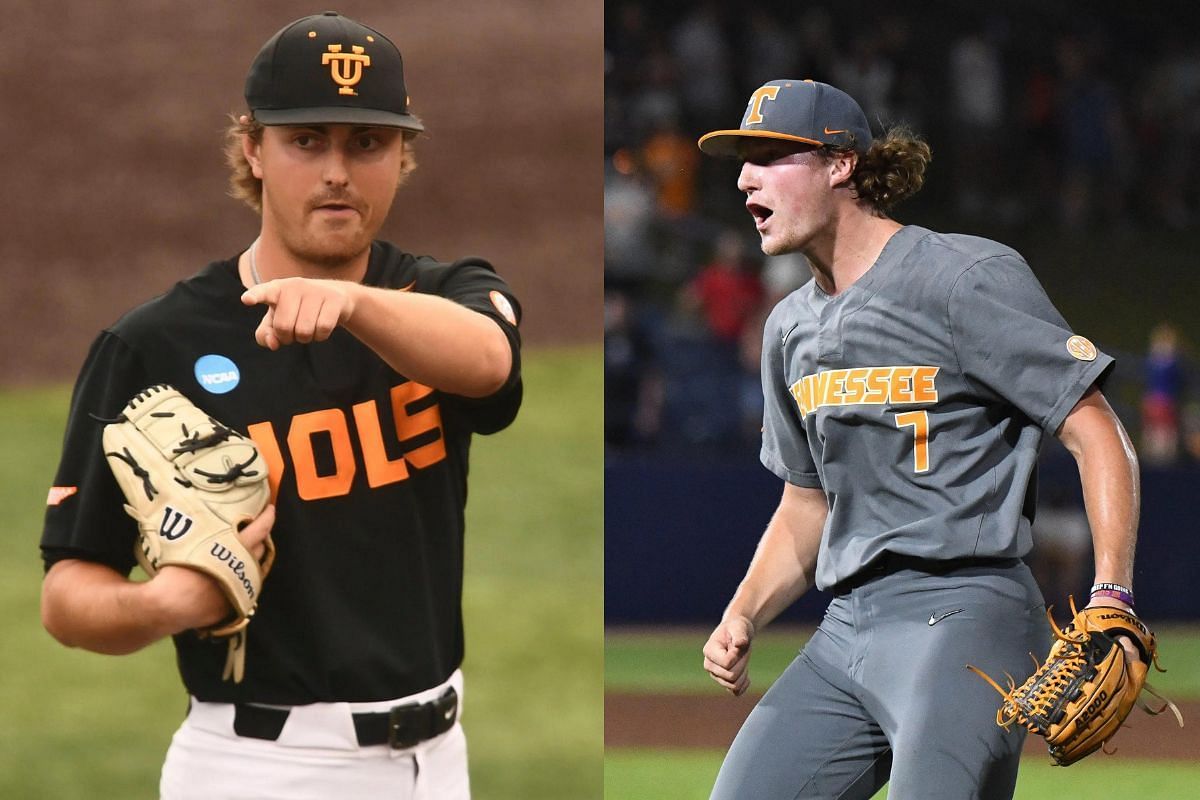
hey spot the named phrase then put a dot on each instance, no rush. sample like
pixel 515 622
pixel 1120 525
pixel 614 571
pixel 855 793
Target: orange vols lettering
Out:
pixel 409 426
pixel 380 470
pixel 310 485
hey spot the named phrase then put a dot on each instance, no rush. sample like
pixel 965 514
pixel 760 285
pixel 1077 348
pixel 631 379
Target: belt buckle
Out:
pixel 402 733
pixel 411 724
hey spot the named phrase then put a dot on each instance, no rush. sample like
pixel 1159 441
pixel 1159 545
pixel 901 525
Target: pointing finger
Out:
pixel 267 292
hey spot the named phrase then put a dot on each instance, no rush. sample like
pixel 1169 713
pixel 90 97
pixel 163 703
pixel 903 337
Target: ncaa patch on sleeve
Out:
pixel 1081 348
pixel 217 374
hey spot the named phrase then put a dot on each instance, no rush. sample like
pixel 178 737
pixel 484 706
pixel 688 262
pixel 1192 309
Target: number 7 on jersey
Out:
pixel 919 420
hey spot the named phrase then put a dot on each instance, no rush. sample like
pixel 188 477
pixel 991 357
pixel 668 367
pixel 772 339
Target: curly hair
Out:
pixel 892 169
pixel 247 188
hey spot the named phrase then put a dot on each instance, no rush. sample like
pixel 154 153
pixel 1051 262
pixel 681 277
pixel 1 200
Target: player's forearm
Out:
pixel 768 589
pixel 784 565
pixel 1110 493
pixel 432 340
pixel 1108 471
pixel 89 605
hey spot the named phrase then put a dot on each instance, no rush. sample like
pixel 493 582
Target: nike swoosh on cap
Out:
pixel 830 133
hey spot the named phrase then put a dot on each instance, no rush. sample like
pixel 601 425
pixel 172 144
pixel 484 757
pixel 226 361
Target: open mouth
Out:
pixel 760 213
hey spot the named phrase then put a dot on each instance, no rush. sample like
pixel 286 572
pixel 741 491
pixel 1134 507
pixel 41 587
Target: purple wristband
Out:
pixel 1115 591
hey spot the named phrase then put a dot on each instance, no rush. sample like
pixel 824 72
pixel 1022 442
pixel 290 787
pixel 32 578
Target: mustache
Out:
pixel 342 198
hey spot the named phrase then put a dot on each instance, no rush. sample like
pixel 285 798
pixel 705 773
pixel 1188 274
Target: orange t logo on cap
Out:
pixel 756 102
pixel 345 68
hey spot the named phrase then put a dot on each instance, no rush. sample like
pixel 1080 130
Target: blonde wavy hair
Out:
pixel 892 169
pixel 247 188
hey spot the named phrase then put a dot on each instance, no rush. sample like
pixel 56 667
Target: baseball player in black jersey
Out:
pixel 361 372
pixel 907 390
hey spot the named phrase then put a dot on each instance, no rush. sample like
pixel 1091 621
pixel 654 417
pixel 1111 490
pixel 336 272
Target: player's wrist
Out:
pixel 157 606
pixel 352 293
pixel 1101 601
pixel 1106 590
pixel 178 599
pixel 741 619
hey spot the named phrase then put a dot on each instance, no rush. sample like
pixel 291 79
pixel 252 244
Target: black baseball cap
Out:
pixel 328 69
pixel 796 111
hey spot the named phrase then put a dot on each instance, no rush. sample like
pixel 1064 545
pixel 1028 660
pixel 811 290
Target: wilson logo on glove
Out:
pixel 226 556
pixel 170 524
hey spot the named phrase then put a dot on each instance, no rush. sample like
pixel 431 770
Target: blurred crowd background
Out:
pixel 1081 128
pixel 1069 132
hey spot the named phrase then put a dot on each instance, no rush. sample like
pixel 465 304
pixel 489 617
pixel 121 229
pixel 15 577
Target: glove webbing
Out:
pixel 1054 683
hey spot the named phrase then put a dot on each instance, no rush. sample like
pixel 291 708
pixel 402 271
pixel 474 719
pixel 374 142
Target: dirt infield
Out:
pixel 711 721
pixel 116 188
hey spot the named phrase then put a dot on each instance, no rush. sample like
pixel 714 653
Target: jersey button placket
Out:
pixel 829 339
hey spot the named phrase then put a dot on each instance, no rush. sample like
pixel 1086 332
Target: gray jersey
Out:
pixel 917 399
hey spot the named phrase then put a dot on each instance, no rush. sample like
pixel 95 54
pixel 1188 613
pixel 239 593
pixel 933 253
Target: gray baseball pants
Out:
pixel 881 693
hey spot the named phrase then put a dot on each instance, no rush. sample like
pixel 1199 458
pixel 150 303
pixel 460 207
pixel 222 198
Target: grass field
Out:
pixel 79 725
pixel 689 775
pixel 648 661
pixel 669 660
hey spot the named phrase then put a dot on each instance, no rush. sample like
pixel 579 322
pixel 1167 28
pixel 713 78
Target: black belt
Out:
pixel 401 727
pixel 888 563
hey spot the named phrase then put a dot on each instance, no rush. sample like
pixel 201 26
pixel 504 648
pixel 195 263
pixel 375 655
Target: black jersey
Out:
pixel 368 469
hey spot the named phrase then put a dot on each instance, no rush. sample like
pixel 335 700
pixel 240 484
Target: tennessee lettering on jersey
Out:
pixel 865 386
pixel 419 433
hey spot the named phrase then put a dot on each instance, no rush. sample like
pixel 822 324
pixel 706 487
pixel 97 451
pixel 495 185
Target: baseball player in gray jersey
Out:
pixel 907 390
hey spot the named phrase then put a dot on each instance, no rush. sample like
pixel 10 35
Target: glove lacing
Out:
pixel 232 471
pixel 1035 708
pixel 193 441
pixel 138 471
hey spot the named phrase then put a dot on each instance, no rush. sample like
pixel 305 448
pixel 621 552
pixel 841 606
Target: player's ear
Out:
pixel 841 167
pixel 251 150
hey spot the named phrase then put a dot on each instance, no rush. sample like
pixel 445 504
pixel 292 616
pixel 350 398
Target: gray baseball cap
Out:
pixel 796 111
pixel 328 69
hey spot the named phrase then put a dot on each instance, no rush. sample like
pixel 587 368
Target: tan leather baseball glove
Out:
pixel 1080 695
pixel 191 483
